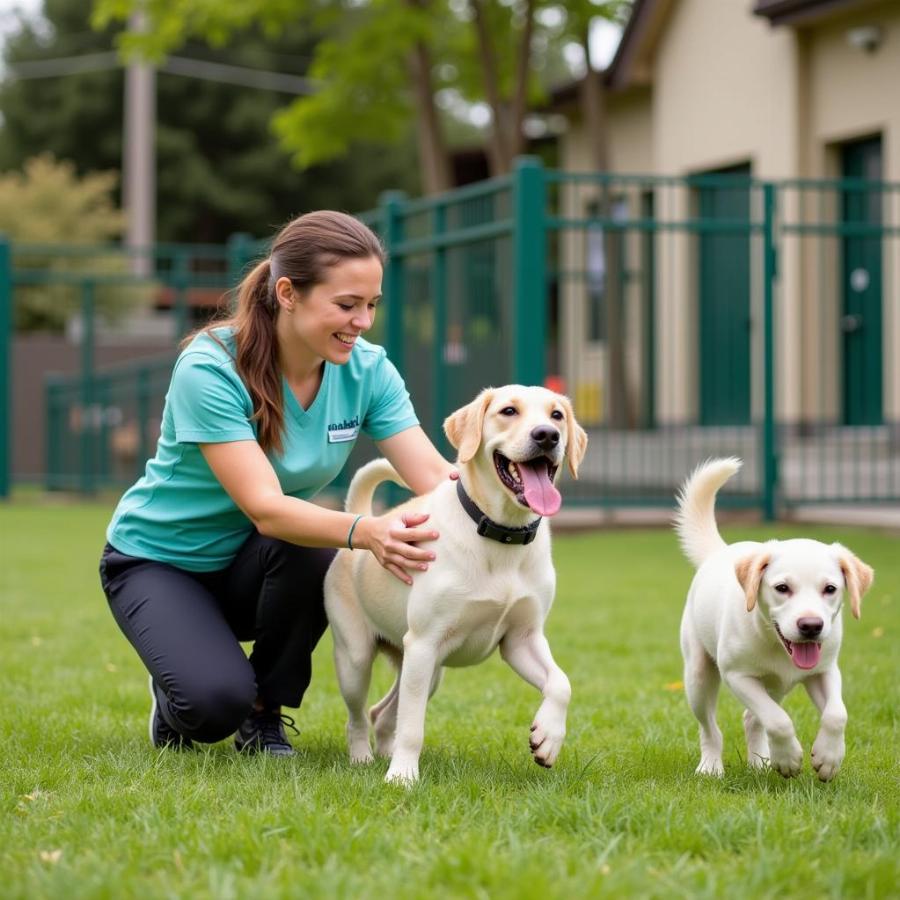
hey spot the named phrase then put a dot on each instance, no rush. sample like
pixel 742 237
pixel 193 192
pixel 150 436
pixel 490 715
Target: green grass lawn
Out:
pixel 91 810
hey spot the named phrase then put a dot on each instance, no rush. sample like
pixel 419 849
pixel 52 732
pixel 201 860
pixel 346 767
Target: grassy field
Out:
pixel 91 810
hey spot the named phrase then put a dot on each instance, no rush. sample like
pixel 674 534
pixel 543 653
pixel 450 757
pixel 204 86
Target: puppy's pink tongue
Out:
pixel 805 656
pixel 540 492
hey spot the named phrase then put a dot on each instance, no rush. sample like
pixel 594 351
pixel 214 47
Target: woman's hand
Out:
pixel 393 541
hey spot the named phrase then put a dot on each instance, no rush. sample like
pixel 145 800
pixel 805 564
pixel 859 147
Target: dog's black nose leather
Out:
pixel 810 627
pixel 545 437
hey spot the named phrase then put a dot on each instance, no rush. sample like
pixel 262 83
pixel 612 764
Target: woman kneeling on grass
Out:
pixel 217 542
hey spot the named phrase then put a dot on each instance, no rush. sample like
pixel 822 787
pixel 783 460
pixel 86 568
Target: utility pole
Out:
pixel 139 157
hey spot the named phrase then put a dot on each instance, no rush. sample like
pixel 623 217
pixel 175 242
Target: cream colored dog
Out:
pixel 763 617
pixel 492 582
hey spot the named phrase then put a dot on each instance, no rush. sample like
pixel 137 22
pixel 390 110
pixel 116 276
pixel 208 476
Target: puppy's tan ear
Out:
pixel 463 428
pixel 749 571
pixel 857 576
pixel 577 440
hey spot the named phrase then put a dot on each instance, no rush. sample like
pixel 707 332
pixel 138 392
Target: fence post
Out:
pixel 770 449
pixel 87 386
pixel 238 256
pixel 529 271
pixel 181 277
pixel 439 297
pixel 6 327
pixel 392 203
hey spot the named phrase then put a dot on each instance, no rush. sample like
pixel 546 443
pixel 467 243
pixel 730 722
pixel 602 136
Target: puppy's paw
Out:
pixel 545 742
pixel 786 756
pixel 827 755
pixel 710 765
pixel 405 774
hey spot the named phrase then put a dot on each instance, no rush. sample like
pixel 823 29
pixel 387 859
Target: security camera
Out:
pixel 866 37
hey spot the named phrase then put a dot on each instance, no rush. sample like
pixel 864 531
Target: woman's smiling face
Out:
pixel 327 319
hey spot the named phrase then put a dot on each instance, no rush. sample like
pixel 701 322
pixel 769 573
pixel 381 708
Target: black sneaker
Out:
pixel 161 733
pixel 263 732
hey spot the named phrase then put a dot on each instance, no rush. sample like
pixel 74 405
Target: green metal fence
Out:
pixel 686 317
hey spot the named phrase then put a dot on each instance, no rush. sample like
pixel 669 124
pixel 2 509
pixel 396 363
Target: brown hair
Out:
pixel 302 251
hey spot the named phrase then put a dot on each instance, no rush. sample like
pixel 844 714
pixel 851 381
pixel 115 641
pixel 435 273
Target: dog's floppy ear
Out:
pixel 463 428
pixel 578 439
pixel 857 576
pixel 749 571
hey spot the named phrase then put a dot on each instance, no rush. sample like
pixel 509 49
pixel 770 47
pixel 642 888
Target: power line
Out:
pixel 243 76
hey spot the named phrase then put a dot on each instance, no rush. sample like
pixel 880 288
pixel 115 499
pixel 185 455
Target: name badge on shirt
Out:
pixel 343 431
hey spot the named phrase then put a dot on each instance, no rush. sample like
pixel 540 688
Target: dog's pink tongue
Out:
pixel 540 492
pixel 805 656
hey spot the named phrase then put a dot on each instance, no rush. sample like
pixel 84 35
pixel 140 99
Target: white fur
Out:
pixel 728 631
pixel 478 594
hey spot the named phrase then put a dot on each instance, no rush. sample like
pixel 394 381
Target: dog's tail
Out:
pixel 695 520
pixel 366 479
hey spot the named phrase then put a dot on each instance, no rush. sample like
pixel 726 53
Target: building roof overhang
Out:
pixel 802 12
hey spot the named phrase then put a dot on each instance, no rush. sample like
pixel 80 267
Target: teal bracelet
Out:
pixel 350 532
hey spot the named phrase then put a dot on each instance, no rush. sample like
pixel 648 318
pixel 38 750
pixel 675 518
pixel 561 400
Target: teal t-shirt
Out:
pixel 179 513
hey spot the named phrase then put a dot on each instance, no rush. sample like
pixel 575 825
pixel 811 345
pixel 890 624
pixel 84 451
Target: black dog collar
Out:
pixel 490 529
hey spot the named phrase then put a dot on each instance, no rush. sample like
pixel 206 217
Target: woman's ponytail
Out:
pixel 303 251
pixel 257 353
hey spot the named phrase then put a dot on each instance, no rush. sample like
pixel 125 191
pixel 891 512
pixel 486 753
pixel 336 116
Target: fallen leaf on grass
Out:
pixel 51 856
pixel 673 686
pixel 112 667
pixel 878 632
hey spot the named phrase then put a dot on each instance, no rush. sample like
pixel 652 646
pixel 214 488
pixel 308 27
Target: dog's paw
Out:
pixel 758 759
pixel 545 743
pixel 710 765
pixel 384 745
pixel 358 744
pixel 404 774
pixel 827 755
pixel 786 756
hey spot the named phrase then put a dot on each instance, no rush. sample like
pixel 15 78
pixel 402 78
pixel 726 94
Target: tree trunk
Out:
pixel 499 157
pixel 434 160
pixel 593 103
pixel 520 100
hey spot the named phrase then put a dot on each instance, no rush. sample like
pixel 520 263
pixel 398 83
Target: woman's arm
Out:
pixel 247 475
pixel 416 460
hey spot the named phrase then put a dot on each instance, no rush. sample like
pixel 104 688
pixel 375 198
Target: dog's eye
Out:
pixel 557 414
pixel 508 411
pixel 829 589
pixel 782 588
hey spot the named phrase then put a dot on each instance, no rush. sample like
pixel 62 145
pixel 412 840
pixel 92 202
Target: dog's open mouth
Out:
pixel 531 481
pixel 805 654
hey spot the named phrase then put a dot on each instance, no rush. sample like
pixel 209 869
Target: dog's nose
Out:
pixel 545 437
pixel 810 626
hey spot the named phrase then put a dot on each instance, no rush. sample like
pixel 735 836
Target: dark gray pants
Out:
pixel 187 628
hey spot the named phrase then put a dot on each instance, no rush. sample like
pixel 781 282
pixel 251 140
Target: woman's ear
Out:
pixel 749 571
pixel 285 294
pixel 463 428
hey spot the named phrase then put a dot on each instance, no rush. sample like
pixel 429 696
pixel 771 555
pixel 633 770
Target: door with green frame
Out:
pixel 861 284
pixel 723 208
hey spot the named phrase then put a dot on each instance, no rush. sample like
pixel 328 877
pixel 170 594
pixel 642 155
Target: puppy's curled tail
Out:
pixel 695 520
pixel 366 479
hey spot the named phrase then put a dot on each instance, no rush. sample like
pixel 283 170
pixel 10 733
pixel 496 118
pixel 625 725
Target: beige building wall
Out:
pixel 853 94
pixel 728 88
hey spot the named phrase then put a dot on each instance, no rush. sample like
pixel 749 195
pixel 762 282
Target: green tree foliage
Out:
pixel 48 203
pixel 382 64
pixel 220 168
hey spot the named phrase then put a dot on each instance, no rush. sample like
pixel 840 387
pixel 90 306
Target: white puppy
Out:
pixel 491 584
pixel 763 617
